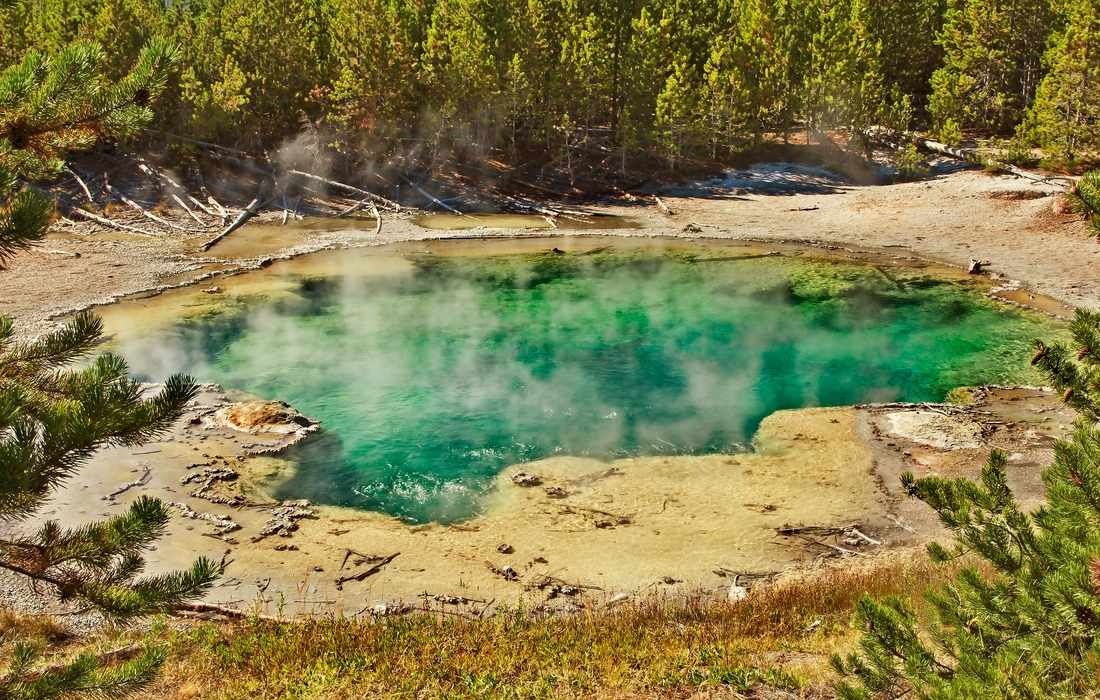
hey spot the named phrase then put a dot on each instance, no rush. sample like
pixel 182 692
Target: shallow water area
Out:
pixel 435 366
pixel 468 222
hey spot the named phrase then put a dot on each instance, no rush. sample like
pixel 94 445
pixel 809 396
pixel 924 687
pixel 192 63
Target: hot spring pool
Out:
pixel 433 371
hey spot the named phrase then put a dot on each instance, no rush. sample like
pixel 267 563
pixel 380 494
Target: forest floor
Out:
pixel 1039 252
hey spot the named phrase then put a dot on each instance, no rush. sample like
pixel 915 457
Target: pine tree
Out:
pixel 1065 119
pixel 1084 198
pixel 49 106
pixel 992 54
pixel 53 418
pixel 52 105
pixel 1029 629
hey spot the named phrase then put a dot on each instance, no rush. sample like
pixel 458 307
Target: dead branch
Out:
pixel 84 187
pixel 52 251
pixel 207 144
pixel 137 207
pixel 507 573
pixel 354 207
pixel 662 206
pixel 249 211
pixel 156 178
pixel 107 222
pixel 377 219
pixel 421 191
pixel 188 210
pixel 222 212
pixel 362 575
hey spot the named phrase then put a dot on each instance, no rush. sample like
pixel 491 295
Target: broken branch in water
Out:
pixel 421 191
pixel 249 211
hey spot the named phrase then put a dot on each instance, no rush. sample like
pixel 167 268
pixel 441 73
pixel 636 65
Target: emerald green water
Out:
pixel 429 383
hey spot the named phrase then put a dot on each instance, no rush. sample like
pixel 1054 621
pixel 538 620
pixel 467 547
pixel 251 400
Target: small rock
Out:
pixel 318 568
pixel 569 590
pixel 602 524
pixel 669 581
pixel 286 548
pixel 505 549
pixel 213 290
pixel 540 560
pixel 555 492
pixel 524 479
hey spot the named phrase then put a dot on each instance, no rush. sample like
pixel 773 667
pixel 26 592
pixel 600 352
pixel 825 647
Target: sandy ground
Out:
pixel 950 219
pixel 662 522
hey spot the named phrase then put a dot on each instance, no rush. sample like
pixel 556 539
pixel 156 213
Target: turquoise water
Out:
pixel 431 382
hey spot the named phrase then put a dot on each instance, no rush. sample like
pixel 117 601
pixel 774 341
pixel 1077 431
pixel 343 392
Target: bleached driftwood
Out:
pixel 141 210
pixel 108 222
pixel 249 211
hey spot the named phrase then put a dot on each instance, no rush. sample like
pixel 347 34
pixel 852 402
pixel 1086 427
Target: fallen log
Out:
pixel 107 222
pixel 249 211
pixel 52 251
pixel 207 144
pixel 353 208
pixel 156 178
pixel 189 210
pixel 362 575
pixel 137 207
pixel 421 191
pixel 252 167
pixel 222 211
pixel 227 612
pixel 662 206
pixel 972 157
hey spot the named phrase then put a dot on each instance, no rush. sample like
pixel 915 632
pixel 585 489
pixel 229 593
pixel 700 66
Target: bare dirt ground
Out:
pixel 950 218
pixel 1018 226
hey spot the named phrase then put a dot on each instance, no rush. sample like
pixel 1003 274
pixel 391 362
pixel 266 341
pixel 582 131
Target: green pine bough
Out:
pixel 53 417
pixel 1084 199
pixel 1025 625
pixel 52 420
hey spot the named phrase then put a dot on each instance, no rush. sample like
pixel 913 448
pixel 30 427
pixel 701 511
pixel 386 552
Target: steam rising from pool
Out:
pixel 430 382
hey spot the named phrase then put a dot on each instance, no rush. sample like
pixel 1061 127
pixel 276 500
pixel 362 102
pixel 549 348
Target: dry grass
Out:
pixel 655 648
pixel 652 649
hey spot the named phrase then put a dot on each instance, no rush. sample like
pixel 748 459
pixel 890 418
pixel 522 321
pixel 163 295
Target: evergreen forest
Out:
pixel 672 78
